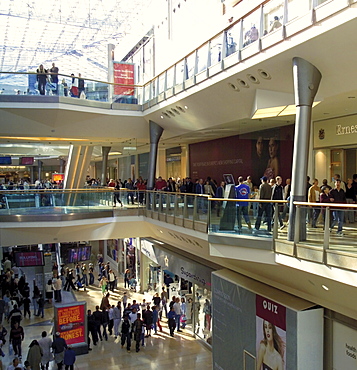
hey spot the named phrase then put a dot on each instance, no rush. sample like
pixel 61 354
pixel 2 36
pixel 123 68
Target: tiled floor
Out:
pixel 160 352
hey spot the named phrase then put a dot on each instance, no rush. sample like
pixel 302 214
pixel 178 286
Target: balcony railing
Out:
pixel 255 31
pixel 320 241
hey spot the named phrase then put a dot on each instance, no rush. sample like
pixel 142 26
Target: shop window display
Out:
pixel 202 313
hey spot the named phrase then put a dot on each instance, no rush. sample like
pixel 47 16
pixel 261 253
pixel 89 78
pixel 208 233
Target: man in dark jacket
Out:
pixel 137 331
pixel 59 345
pixel 338 195
pixel 126 333
pixel 264 208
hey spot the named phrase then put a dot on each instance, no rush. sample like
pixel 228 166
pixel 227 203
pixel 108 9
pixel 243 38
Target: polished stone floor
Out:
pixel 160 352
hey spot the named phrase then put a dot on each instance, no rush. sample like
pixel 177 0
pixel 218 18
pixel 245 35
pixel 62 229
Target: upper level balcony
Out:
pixel 227 225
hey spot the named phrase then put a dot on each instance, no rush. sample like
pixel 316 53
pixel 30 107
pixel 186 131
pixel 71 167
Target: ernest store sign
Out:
pixel 335 132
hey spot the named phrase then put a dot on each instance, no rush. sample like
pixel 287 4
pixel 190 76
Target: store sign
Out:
pixel 70 322
pixel 335 132
pixel 123 75
pixel 148 250
pixel 185 269
pixel 344 347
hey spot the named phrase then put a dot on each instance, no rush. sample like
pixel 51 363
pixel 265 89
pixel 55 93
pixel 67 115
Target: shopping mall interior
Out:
pixel 188 90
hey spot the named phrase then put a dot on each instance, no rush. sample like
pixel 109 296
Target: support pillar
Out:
pixel 306 83
pixel 62 163
pixel 155 135
pixel 39 169
pixel 105 152
pixel 78 161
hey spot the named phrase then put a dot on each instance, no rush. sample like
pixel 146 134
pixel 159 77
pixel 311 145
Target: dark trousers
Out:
pixel 172 326
pixel 91 278
pixel 42 86
pixel 315 216
pixel 16 345
pixel 26 311
pixel 71 367
pixel 126 337
pixel 58 296
pixel 99 332
pixel 94 335
pixel 110 326
pixel 242 210
pixel 264 208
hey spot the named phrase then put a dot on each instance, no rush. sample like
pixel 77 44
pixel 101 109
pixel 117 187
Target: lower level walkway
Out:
pixel 160 352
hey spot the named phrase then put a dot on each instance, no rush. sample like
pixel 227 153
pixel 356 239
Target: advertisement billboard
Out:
pixel 28 259
pixel 261 153
pixel 123 75
pixel 71 321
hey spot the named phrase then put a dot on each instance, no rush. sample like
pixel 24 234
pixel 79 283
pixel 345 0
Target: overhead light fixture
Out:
pixel 129 148
pixel 115 153
pixel 325 287
pixel 41 138
pixel 269 104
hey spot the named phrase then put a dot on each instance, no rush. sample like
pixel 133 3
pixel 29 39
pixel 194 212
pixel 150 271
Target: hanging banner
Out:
pixel 70 322
pixel 124 75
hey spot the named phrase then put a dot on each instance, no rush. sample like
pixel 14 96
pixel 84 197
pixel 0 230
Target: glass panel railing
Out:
pixel 189 210
pixel 251 31
pixel 273 16
pixel 180 67
pixel 170 77
pixel 76 87
pixel 162 85
pixel 249 217
pixel 329 226
pixel 215 52
pixel 201 208
pixel 202 57
pixel 233 39
pixel 190 65
pixel 297 8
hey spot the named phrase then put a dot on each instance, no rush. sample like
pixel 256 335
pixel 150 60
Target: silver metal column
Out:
pixel 105 152
pixel 39 162
pixel 306 83
pixel 155 135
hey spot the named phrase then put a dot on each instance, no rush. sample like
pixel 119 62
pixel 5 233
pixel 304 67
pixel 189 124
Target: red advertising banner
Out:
pixel 70 323
pixel 124 75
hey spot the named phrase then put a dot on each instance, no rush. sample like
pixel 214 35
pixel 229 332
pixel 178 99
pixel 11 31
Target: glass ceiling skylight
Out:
pixel 73 34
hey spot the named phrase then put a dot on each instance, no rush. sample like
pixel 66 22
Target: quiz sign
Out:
pixel 70 322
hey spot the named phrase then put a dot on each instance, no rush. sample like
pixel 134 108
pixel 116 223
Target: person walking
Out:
pixel 117 318
pixel 59 345
pixel 137 331
pixel 46 344
pixel 17 335
pixel 34 355
pixel 69 358
pixel 126 333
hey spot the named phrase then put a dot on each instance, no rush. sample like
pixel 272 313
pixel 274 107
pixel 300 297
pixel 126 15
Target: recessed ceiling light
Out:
pixel 324 287
pixel 234 87
pixel 162 117
pixel 186 107
pixel 242 83
pixel 264 74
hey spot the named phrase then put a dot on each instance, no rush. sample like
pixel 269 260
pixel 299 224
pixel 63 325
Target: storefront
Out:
pixel 335 148
pixel 123 254
pixel 261 327
pixel 182 277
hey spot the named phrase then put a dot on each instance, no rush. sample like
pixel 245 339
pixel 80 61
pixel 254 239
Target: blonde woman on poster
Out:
pixel 271 349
